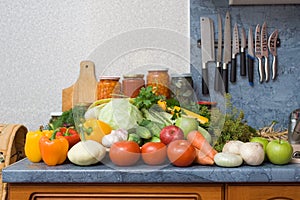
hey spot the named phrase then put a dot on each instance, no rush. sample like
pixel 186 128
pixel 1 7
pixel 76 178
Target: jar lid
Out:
pixel 181 75
pixel 110 78
pixel 158 70
pixel 133 76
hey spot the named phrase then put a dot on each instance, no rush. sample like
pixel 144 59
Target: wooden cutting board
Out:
pixel 84 90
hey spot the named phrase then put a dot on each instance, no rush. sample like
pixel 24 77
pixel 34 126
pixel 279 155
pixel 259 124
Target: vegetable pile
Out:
pixel 149 128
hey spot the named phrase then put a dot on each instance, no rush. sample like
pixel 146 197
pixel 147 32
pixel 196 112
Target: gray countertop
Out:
pixel 25 171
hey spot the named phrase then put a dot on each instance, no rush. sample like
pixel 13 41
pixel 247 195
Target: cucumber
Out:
pixel 154 128
pixel 153 139
pixel 135 138
pixel 143 132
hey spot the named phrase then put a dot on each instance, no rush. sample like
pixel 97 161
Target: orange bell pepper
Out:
pixel 54 150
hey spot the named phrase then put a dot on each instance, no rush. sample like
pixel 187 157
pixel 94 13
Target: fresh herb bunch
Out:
pixel 146 98
pixel 65 120
pixel 205 112
pixel 235 126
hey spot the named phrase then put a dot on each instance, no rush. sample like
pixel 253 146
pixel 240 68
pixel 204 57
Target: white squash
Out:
pixel 86 153
pixel 228 159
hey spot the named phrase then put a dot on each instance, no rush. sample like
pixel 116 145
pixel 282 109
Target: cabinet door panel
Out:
pixel 116 191
pixel 282 191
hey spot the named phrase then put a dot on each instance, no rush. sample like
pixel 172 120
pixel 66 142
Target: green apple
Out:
pixel 261 140
pixel 279 152
pixel 187 124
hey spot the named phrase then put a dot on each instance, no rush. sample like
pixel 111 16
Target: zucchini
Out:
pixel 143 132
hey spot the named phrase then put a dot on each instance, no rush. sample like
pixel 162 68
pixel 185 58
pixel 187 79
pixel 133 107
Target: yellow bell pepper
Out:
pixel 32 148
pixel 92 130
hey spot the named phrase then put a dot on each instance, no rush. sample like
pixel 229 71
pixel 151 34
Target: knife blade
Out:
pixel 273 50
pixel 250 57
pixel 265 51
pixel 258 52
pixel 243 53
pixel 218 72
pixel 235 51
pixel 207 50
pixel 227 51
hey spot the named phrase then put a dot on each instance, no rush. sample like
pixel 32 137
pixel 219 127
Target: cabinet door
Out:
pixel 116 191
pixel 282 191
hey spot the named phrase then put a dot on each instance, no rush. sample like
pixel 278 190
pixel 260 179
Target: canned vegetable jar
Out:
pixel 131 84
pixel 159 79
pixel 107 86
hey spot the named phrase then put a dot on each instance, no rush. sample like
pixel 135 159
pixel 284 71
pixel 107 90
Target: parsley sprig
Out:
pixel 146 98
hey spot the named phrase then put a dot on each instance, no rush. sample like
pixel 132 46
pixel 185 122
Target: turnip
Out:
pixel 252 153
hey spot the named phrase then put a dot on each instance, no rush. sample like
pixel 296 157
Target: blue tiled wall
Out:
pixel 264 102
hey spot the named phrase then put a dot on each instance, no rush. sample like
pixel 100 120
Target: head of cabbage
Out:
pixel 119 113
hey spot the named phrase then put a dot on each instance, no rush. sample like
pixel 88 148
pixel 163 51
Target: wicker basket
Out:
pixel 12 141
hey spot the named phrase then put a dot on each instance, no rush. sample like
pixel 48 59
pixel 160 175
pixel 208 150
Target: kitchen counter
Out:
pixel 33 181
pixel 25 171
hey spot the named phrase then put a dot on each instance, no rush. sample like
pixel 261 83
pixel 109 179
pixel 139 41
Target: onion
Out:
pixel 232 146
pixel 252 153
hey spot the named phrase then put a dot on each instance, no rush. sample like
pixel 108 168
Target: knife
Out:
pixel 258 52
pixel 273 50
pixel 218 72
pixel 250 57
pixel 207 49
pixel 235 51
pixel 243 53
pixel 265 51
pixel 227 51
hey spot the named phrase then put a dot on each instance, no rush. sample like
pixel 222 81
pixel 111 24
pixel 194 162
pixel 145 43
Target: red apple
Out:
pixel 171 133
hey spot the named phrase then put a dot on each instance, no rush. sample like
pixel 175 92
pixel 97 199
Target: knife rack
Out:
pixel 216 43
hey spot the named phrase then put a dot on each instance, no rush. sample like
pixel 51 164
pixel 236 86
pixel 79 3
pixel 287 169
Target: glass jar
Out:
pixel 159 79
pixel 107 86
pixel 182 88
pixel 131 84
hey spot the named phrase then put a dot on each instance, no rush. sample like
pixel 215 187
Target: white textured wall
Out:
pixel 43 42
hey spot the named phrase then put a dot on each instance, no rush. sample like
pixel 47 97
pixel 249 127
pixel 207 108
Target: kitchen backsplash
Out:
pixel 264 102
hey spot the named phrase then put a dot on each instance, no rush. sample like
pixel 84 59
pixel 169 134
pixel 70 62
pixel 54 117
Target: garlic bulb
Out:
pixel 252 153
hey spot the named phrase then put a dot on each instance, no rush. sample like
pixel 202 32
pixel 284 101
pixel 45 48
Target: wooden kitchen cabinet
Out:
pixel 116 191
pixel 284 191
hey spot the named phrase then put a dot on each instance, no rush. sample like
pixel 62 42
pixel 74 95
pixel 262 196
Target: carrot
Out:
pixel 203 159
pixel 199 142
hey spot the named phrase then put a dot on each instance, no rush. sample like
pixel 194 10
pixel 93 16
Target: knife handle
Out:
pixel 260 70
pixel 267 70
pixel 233 70
pixel 243 63
pixel 250 70
pixel 225 77
pixel 218 77
pixel 205 81
pixel 274 67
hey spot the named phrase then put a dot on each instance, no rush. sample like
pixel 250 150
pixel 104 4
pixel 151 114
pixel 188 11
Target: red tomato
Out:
pixel 124 153
pixel 154 153
pixel 181 153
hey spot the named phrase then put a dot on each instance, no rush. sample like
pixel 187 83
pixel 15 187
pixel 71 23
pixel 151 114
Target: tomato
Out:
pixel 124 153
pixel 181 153
pixel 154 153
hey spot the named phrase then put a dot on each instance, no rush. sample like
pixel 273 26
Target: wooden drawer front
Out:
pixel 116 191
pixel 282 191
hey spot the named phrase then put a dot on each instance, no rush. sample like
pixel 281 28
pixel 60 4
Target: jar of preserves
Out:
pixel 182 88
pixel 131 84
pixel 107 86
pixel 159 79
